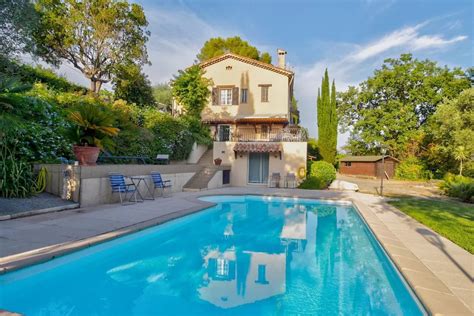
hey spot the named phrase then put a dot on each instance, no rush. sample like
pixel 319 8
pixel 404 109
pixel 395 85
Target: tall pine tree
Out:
pixel 327 120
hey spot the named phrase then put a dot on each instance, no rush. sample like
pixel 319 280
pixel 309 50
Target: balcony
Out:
pixel 252 134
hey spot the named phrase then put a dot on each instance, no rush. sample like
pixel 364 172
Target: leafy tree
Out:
pixel 133 86
pixel 392 106
pixel 93 35
pixel 448 130
pixel 18 20
pixel 163 96
pixel 327 120
pixel 313 149
pixel 219 46
pixel 191 90
pixel 295 113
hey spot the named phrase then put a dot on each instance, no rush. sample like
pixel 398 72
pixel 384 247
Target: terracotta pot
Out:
pixel 86 155
pixel 217 161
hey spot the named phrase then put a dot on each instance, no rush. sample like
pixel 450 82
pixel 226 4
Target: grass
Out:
pixel 454 220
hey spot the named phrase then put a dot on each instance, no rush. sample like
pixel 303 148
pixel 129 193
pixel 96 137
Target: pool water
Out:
pixel 248 255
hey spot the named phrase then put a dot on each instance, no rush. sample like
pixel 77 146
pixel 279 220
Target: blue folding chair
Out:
pixel 159 183
pixel 117 182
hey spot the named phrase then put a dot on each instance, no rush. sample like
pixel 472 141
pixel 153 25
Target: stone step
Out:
pixel 201 179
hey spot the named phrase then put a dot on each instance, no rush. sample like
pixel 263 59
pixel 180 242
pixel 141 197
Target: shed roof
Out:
pixel 365 158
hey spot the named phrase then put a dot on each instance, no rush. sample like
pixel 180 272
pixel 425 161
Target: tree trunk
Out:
pixel 95 86
pixel 460 168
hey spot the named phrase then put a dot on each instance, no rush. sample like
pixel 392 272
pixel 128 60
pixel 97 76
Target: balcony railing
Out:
pixel 287 134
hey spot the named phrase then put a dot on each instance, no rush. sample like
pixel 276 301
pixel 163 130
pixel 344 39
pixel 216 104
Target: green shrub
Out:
pixel 459 187
pixel 311 183
pixel 412 169
pixel 324 172
pixel 35 126
pixel 16 175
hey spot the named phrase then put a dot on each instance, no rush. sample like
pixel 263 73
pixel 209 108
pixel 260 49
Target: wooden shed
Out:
pixel 370 166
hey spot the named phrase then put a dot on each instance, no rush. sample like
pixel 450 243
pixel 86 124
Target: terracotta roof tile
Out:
pixel 247 60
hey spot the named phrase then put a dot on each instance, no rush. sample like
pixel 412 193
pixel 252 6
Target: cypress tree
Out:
pixel 327 120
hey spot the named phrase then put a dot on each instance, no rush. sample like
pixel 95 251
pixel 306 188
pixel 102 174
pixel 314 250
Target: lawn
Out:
pixel 454 220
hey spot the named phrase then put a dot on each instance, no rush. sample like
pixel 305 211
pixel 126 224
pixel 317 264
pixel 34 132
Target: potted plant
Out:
pixel 92 129
pixel 217 161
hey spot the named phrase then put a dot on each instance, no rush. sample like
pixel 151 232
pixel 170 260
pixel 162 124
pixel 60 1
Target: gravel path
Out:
pixel 395 187
pixel 38 202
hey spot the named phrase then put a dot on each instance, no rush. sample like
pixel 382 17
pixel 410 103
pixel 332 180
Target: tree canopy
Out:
pixel 18 20
pixel 391 108
pixel 163 96
pixel 94 36
pixel 450 133
pixel 191 90
pixel 133 86
pixel 219 46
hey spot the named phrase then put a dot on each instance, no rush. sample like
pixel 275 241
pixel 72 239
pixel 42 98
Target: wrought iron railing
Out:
pixel 250 134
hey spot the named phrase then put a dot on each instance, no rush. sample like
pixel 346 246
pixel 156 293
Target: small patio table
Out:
pixel 136 181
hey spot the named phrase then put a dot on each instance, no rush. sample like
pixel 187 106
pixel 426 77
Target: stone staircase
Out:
pixel 206 158
pixel 201 179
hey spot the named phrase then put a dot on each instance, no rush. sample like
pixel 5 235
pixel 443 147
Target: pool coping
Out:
pixel 435 297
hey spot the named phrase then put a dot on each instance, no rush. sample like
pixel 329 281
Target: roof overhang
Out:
pixel 247 120
pixel 247 60
pixel 257 147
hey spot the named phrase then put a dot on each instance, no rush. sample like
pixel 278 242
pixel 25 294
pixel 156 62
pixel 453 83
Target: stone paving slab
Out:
pixel 439 271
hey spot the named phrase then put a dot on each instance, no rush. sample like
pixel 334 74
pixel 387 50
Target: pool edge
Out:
pixel 434 299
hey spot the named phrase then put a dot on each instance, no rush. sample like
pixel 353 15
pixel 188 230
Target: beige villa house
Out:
pixel 250 118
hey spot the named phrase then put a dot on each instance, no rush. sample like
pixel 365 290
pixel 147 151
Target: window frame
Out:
pixel 265 96
pixel 242 90
pixel 220 134
pixel 228 96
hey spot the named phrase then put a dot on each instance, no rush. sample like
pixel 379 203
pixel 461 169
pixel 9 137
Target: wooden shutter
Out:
pixel 215 96
pixel 235 96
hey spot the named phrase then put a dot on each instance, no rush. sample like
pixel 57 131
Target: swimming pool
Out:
pixel 248 255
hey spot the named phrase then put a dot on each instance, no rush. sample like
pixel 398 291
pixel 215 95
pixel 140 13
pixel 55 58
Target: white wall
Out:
pixel 196 153
pixel 293 158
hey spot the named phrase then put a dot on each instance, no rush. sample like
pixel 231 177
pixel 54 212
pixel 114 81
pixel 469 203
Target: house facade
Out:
pixel 251 120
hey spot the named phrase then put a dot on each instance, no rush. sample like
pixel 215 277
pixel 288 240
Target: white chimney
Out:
pixel 281 58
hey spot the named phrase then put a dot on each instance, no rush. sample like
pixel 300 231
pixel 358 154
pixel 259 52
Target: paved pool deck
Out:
pixel 440 272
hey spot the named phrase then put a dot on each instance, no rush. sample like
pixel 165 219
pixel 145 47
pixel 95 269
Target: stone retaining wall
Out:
pixel 89 185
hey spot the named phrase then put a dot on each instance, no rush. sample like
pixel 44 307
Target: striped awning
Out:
pixel 258 147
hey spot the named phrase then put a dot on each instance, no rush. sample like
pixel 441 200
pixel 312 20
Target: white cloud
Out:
pixel 408 38
pixel 430 41
pixel 355 63
pixel 176 37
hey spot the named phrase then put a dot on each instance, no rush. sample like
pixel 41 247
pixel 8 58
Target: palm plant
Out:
pixel 10 88
pixel 93 126
pixel 460 154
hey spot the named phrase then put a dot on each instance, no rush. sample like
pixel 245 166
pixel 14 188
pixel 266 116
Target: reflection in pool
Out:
pixel 248 255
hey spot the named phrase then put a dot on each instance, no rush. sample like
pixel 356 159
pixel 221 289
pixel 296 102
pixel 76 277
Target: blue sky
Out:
pixel 350 38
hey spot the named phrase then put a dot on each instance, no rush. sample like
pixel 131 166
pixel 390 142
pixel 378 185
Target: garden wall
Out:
pixel 89 185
